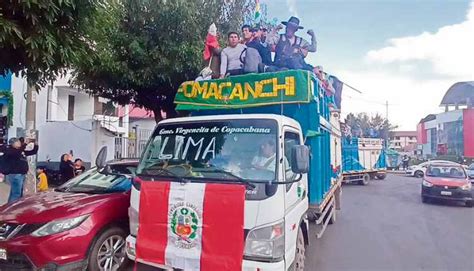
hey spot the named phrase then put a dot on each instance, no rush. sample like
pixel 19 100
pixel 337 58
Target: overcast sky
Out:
pixel 408 52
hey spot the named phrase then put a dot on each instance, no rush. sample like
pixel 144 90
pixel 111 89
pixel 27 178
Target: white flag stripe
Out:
pixel 185 252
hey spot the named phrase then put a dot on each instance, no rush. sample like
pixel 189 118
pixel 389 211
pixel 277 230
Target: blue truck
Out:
pixel 364 159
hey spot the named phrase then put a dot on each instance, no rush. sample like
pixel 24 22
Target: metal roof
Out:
pixel 459 94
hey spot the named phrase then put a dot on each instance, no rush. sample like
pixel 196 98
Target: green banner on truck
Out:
pixel 248 90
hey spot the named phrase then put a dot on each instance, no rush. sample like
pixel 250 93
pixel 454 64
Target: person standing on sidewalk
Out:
pixel 16 167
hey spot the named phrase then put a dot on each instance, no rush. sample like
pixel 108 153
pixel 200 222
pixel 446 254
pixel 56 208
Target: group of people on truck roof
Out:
pixel 251 52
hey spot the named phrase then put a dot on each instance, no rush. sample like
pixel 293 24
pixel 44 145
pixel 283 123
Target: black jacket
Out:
pixel 67 170
pixel 15 160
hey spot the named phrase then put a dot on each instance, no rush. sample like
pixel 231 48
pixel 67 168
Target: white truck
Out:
pixel 279 149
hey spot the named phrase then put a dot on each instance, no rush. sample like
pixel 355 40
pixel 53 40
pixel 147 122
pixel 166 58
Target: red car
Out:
pixel 446 182
pixel 82 224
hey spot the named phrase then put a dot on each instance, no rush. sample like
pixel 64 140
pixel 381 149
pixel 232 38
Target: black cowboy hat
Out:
pixel 293 21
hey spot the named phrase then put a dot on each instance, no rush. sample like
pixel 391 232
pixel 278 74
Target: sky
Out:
pixel 406 52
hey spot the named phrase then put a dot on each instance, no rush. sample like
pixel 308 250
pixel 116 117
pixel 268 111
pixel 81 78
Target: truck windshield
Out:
pixel 229 149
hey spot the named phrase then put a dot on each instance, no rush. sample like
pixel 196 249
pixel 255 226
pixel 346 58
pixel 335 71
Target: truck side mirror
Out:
pixel 300 159
pixel 100 160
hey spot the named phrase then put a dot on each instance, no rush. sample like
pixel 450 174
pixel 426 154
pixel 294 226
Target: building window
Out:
pixel 120 121
pixel 70 107
pixel 397 138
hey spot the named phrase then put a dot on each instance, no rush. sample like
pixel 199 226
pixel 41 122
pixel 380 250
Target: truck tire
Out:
pixel 332 219
pixel 365 179
pixel 298 263
pixel 311 216
pixel 381 176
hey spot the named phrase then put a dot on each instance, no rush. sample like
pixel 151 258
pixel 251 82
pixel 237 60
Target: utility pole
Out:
pixel 29 186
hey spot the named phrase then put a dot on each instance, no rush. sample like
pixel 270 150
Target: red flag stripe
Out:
pixel 152 236
pixel 223 227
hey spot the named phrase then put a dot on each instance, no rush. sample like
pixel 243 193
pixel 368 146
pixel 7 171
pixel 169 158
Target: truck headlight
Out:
pixel 267 243
pixel 467 186
pixel 58 226
pixel 427 184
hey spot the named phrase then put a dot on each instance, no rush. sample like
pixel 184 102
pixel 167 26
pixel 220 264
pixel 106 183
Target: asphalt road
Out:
pixel 384 227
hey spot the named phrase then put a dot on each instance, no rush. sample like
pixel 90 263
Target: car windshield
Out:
pixel 471 167
pixel 230 149
pixel 93 181
pixel 446 171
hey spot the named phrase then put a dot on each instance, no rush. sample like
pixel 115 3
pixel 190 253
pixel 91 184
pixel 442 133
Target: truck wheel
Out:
pixel 332 219
pixel 311 216
pixel 381 176
pixel 298 263
pixel 419 174
pixel 108 251
pixel 365 179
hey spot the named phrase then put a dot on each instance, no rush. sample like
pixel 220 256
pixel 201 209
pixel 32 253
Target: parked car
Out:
pixel 470 172
pixel 79 225
pixel 447 182
pixel 420 169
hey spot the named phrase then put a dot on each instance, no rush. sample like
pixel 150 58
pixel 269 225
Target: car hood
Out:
pixel 47 206
pixel 447 181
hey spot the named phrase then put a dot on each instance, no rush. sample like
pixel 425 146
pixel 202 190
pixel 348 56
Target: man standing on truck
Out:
pixel 290 50
pixel 232 56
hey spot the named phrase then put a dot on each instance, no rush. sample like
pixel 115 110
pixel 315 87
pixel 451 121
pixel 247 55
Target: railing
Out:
pixel 131 147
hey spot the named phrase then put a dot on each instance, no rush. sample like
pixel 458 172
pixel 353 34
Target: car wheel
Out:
pixel 419 174
pixel 108 252
pixel 298 263
pixel 365 179
pixel 469 203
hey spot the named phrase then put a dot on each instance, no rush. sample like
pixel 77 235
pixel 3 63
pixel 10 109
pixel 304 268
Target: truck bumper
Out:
pixel 246 265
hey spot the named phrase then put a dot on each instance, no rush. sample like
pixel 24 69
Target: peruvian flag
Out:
pixel 192 226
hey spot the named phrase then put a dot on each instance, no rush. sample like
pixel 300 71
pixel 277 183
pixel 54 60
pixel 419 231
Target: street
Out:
pixel 384 226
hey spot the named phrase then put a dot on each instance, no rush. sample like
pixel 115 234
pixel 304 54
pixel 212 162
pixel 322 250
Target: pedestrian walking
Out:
pixel 16 166
pixel 405 161
pixel 66 168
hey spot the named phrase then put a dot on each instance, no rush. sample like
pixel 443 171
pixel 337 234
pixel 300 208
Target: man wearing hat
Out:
pixel 290 50
pixel 16 167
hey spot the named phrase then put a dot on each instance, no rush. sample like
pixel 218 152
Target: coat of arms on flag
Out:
pixel 187 226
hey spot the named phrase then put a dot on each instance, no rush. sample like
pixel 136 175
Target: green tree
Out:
pixel 361 125
pixel 40 38
pixel 143 50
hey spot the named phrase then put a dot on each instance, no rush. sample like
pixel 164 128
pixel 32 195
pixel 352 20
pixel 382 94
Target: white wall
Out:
pixel 83 105
pixel 57 138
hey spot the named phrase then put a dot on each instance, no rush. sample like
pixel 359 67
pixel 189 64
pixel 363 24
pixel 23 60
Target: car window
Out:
pixel 471 167
pixel 446 171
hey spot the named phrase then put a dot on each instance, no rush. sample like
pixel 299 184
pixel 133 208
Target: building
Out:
pixel 5 102
pixel 403 141
pixel 68 120
pixel 450 133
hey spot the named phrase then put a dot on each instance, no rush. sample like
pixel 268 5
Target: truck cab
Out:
pixel 264 146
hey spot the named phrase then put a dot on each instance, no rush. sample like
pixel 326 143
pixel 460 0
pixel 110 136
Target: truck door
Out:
pixel 296 202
